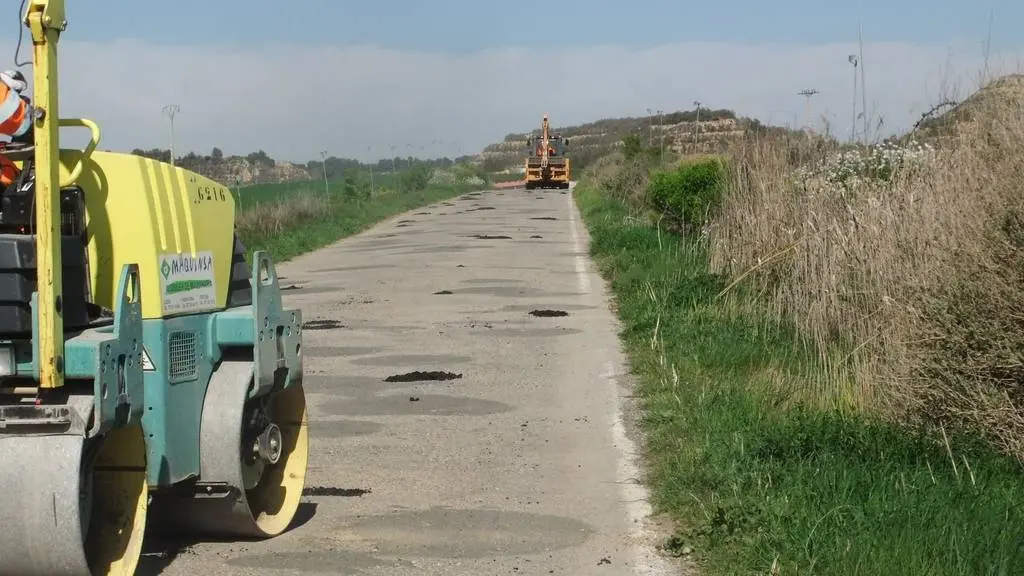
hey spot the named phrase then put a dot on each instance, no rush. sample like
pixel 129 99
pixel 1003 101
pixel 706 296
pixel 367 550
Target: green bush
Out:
pixel 688 195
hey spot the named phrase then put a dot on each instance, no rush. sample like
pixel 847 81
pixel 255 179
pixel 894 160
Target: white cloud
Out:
pixel 295 101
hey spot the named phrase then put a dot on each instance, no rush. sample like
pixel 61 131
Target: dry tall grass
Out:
pixel 911 286
pixel 270 219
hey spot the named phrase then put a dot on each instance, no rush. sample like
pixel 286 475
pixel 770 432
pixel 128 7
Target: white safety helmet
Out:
pixel 14 79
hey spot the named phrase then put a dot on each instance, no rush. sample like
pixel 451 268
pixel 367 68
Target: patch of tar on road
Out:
pixel 423 376
pixel 339 351
pixel 318 561
pixel 322 325
pixel 469 533
pixel 411 360
pixel 425 405
pixel 335 492
pixel 548 313
pixel 343 428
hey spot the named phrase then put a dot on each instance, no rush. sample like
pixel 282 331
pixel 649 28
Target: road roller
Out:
pixel 150 377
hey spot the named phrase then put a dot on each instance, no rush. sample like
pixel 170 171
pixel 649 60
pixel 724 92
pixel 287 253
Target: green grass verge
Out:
pixel 343 217
pixel 754 482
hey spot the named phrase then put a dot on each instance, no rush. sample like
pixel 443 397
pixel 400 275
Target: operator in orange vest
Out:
pixel 15 120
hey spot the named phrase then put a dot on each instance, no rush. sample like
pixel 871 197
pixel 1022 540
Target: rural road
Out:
pixel 523 465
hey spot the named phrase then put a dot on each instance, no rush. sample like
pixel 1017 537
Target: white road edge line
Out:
pixel 634 494
pixel 580 260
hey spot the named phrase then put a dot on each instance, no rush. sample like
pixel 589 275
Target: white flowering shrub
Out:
pixel 879 164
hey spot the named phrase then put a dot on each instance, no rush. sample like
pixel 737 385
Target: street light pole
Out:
pixel 853 122
pixel 170 111
pixel 696 126
pixel 323 156
pixel 661 128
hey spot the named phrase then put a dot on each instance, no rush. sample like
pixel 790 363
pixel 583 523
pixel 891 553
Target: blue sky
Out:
pixel 461 26
pixel 355 78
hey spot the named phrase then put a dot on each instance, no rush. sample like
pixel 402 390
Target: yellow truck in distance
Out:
pixel 547 165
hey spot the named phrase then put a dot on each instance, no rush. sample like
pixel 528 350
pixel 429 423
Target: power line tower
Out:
pixel 807 93
pixel 171 110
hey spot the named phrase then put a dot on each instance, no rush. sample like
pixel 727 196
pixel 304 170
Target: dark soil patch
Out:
pixel 443 293
pixel 489 237
pixel 548 313
pixel 418 376
pixel 332 491
pixel 544 218
pixel 322 325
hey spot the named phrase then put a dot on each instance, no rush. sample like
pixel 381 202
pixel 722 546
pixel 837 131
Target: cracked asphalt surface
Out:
pixel 510 458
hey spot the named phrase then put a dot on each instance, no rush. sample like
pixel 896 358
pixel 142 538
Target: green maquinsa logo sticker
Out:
pixel 186 285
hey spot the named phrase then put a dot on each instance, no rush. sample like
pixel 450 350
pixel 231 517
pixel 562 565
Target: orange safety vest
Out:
pixel 15 121
pixel 8 172
pixel 15 117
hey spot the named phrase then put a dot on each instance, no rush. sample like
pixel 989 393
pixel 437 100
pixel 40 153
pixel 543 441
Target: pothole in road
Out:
pixel 322 325
pixel 543 218
pixel 480 208
pixel 490 237
pixel 443 293
pixel 333 491
pixel 423 376
pixel 292 287
pixel 536 236
pixel 423 213
pixel 548 313
pixel 406 221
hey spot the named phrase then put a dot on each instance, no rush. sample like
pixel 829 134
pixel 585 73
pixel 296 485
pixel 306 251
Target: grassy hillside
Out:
pixel 680 132
pixel 828 340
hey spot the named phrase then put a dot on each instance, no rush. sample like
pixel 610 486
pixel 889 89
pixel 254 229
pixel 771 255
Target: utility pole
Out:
pixel 696 126
pixel 323 157
pixel 863 90
pixel 650 127
pixel 807 94
pixel 661 129
pixel 170 111
pixel 370 164
pixel 853 124
pixel 394 161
